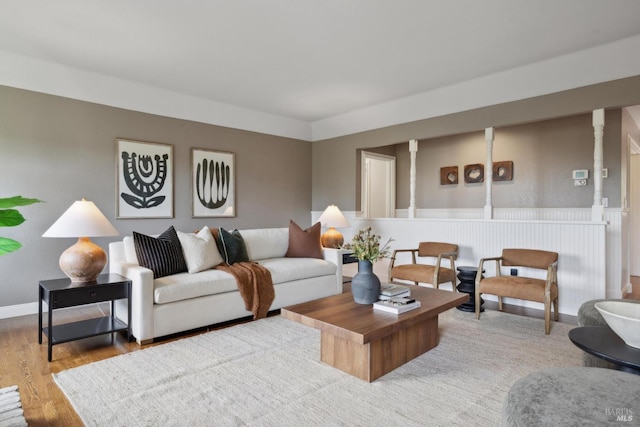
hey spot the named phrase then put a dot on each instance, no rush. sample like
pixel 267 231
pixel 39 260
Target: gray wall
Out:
pixel 334 175
pixel 544 154
pixel 60 150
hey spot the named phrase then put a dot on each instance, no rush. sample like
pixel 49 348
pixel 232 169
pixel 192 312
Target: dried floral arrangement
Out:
pixel 366 246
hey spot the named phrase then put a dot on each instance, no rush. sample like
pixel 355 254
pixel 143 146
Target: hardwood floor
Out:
pixel 23 361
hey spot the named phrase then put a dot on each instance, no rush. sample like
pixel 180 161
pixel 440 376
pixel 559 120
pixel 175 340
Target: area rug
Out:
pixel 268 373
pixel 11 412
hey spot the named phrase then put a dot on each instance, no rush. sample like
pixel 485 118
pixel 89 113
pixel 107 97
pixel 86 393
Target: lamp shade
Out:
pixel 82 219
pixel 332 217
pixel 83 261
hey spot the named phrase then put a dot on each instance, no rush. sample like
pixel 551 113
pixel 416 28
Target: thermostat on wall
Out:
pixel 581 174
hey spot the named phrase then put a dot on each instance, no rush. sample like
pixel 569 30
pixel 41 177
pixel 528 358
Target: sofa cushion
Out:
pixel 289 269
pixel 184 286
pixel 232 246
pixel 162 255
pixel 200 250
pixel 266 243
pixel 304 243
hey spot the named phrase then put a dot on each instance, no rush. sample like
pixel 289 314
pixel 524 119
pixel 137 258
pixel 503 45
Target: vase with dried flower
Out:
pixel 365 285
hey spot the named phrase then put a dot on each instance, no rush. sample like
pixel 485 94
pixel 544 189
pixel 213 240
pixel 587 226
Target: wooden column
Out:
pixel 488 173
pixel 413 149
pixel 597 210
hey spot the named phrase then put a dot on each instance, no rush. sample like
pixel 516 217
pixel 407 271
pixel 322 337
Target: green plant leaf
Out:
pixel 10 202
pixel 10 218
pixel 8 245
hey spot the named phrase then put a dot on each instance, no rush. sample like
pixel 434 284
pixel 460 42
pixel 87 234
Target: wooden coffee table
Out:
pixel 369 343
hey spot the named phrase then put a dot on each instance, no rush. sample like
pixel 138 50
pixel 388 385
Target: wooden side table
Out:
pixel 60 293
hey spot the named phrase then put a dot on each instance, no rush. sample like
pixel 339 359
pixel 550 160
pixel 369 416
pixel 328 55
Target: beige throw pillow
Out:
pixel 200 250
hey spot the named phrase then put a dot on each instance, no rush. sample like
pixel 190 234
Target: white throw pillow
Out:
pixel 200 250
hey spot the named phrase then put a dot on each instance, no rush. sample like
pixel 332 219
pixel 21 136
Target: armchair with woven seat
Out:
pixel 433 274
pixel 522 287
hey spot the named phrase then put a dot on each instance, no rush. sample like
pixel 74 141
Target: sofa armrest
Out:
pixel 141 298
pixel 334 256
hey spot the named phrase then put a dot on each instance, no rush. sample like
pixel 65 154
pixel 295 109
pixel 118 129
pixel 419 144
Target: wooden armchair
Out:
pixel 526 288
pixel 433 274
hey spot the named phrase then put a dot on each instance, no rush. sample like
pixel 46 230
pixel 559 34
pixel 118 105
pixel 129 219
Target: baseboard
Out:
pixel 18 310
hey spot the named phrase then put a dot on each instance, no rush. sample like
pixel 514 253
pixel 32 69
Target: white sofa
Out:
pixel 185 301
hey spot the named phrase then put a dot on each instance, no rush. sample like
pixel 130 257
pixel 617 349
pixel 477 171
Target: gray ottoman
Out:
pixel 573 397
pixel 588 315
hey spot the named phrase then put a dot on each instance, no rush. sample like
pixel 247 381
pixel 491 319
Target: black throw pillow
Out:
pixel 232 246
pixel 162 255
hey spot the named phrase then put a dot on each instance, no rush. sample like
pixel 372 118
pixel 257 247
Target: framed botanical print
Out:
pixel 213 183
pixel 144 179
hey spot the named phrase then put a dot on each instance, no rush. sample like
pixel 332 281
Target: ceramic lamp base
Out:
pixel 84 261
pixel 332 238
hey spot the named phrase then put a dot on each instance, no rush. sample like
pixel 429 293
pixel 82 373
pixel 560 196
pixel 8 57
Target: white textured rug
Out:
pixel 268 373
pixel 11 413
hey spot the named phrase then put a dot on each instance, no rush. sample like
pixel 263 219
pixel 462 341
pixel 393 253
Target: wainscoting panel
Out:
pixel 582 272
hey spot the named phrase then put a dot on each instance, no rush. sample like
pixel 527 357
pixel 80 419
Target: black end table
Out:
pixel 467 277
pixel 602 342
pixel 60 293
pixel 348 258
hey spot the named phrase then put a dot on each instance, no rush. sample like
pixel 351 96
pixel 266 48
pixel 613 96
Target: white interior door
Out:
pixel 634 206
pixel 378 185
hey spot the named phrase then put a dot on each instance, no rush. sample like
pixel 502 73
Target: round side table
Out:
pixel 602 342
pixel 467 277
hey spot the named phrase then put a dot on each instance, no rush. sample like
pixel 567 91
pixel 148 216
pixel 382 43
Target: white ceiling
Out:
pixel 308 63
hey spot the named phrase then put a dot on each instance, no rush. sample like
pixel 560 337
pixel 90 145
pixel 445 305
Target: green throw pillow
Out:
pixel 232 246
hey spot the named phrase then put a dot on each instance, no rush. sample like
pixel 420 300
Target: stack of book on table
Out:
pixel 391 290
pixel 395 299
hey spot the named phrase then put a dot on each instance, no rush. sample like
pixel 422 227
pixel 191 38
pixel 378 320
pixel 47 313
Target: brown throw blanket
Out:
pixel 255 286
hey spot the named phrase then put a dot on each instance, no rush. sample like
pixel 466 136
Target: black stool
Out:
pixel 467 277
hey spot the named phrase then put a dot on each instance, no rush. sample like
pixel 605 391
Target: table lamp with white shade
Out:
pixel 84 261
pixel 333 218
